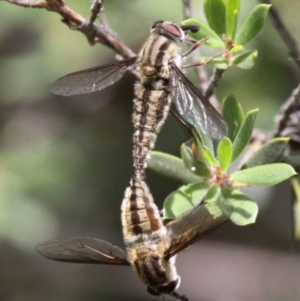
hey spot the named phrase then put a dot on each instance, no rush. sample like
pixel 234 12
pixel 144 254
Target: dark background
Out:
pixel 65 162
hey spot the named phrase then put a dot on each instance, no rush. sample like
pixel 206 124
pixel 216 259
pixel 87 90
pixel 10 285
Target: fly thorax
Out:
pixel 155 55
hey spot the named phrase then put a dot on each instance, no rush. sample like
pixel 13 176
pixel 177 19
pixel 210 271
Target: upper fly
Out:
pixel 161 82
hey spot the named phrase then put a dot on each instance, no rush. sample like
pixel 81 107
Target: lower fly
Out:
pixel 151 246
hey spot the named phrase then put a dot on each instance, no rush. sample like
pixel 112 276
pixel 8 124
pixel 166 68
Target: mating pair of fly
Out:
pixel 151 245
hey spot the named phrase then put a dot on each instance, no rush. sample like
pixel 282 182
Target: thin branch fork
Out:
pixel 103 34
pixel 287 119
pixel 290 107
pixel 95 34
pixel 285 34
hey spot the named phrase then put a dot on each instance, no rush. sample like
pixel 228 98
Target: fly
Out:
pixel 161 82
pixel 151 246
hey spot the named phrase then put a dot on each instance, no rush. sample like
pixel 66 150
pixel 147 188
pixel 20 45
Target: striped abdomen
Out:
pixel 145 237
pixel 139 213
pixel 152 94
pixel 151 108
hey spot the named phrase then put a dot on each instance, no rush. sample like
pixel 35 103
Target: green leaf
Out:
pixel 296 208
pixel 205 147
pixel 205 31
pixel 253 24
pixel 296 219
pixel 203 140
pixel 172 167
pixel 214 197
pixel 233 115
pixel 224 153
pixel 218 62
pixel 245 60
pixel 184 199
pixel 244 208
pixel 213 194
pixel 215 15
pixel 202 219
pixel 270 152
pixel 265 175
pixel 192 163
pixel 244 134
pixel 236 48
pixel 232 12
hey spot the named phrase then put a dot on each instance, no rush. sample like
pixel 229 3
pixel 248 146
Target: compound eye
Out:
pixel 173 30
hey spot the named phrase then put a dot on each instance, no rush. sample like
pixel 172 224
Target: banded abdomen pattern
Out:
pixel 151 107
pixel 152 95
pixel 143 230
pixel 139 213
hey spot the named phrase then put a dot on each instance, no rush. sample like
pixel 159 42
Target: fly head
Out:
pixel 168 29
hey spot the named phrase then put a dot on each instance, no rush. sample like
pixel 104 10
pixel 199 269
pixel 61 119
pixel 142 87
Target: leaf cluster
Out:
pixel 213 170
pixel 222 32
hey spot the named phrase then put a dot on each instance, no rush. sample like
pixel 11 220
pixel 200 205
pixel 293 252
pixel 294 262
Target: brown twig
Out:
pixel 285 123
pixel 29 3
pixel 284 33
pixel 96 7
pixel 103 34
pixel 213 82
pixel 95 34
pixel 287 120
pixel 187 9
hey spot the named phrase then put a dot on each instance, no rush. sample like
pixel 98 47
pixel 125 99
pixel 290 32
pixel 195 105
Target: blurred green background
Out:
pixel 65 162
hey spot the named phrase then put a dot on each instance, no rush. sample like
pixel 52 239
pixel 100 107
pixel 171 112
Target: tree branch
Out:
pixel 285 34
pixel 95 34
pixel 96 7
pixel 187 9
pixel 213 82
pixel 288 117
pixel 287 120
pixel 103 34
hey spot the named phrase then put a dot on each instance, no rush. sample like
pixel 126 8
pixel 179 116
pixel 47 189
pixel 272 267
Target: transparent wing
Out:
pixel 83 250
pixel 193 107
pixel 91 80
pixel 201 220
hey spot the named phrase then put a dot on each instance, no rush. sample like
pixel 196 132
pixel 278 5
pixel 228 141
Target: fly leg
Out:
pixel 179 297
pixel 210 59
pixel 196 45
